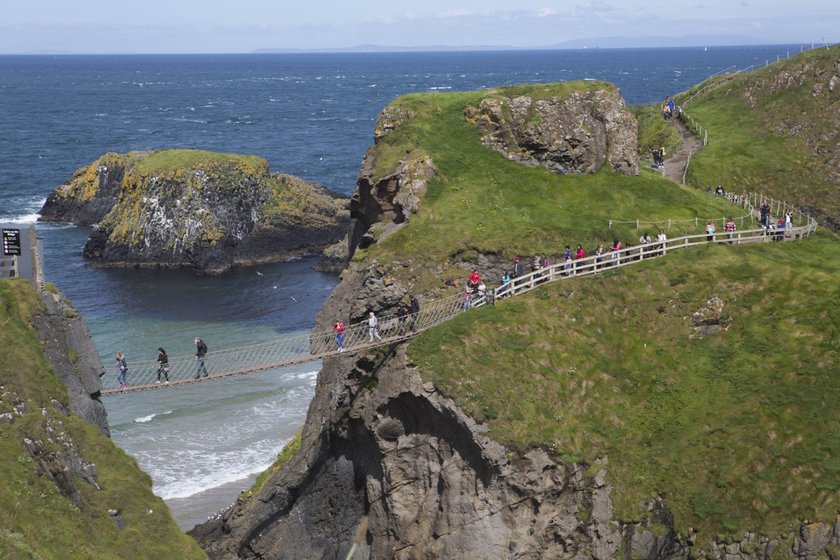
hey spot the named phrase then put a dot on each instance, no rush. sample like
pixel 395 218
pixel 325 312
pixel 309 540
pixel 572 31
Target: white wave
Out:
pixel 26 219
pixel 438 88
pixel 208 472
pixel 31 207
pixel 144 419
pixel 307 375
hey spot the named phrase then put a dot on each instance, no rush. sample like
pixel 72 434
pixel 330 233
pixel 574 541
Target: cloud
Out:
pixel 545 12
pixel 458 13
pixel 596 6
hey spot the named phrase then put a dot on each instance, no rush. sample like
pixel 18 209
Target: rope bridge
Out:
pixel 393 328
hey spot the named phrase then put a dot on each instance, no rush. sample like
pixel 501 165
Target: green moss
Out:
pixel 283 458
pixel 176 161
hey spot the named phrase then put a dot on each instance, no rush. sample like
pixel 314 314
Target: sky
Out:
pixel 236 26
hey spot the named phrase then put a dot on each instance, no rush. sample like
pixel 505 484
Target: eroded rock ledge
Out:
pixel 192 209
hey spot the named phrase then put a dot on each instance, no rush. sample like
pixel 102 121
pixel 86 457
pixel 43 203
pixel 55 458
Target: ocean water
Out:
pixel 310 115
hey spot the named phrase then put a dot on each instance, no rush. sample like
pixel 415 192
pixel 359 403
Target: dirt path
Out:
pixel 676 164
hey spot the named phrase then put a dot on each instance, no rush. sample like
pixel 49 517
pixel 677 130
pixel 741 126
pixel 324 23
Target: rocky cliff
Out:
pixel 573 133
pixel 70 350
pixel 388 452
pixel 186 208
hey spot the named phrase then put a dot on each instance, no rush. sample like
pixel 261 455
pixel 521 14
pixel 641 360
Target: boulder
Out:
pixel 576 133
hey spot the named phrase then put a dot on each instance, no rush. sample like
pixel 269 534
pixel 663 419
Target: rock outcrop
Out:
pixel 70 350
pixel 185 208
pixel 576 133
pixel 390 200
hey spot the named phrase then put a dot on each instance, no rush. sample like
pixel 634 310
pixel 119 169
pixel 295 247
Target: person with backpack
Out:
pixel 200 351
pixel 710 230
pixel 163 365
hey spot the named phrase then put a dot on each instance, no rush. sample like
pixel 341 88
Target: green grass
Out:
pixel 736 430
pixel 285 455
pixel 169 161
pixel 481 202
pixel 36 520
pixel 779 143
pixel 654 131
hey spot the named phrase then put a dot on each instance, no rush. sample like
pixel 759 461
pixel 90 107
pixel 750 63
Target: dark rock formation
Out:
pixel 577 133
pixel 210 212
pixel 389 200
pixel 70 351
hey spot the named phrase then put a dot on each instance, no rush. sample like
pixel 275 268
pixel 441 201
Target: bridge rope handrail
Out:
pixel 392 328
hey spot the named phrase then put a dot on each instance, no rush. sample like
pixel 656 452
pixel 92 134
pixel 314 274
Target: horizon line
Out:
pixel 397 49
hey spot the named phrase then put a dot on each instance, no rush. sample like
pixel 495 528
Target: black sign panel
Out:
pixel 11 242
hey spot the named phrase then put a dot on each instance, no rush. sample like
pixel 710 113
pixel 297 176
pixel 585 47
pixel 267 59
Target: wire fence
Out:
pixel 588 266
pixel 751 202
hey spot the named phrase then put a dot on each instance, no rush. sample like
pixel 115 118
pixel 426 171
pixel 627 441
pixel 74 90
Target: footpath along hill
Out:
pixel 680 408
pixel 775 130
pixel 66 491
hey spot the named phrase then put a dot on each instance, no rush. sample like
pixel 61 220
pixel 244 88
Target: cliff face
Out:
pixel 577 133
pixel 181 208
pixel 70 350
pixel 382 444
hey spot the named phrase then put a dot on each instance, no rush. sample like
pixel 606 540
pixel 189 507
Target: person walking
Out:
pixel 414 307
pixel 373 326
pixel 122 366
pixel 662 241
pixel 710 230
pixel 517 267
pixel 200 351
pixel 338 327
pixel 163 365
pixel 729 227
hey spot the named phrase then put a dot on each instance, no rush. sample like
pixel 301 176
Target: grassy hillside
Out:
pixel 654 131
pixel 36 519
pixel 735 430
pixel 776 130
pixel 481 202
